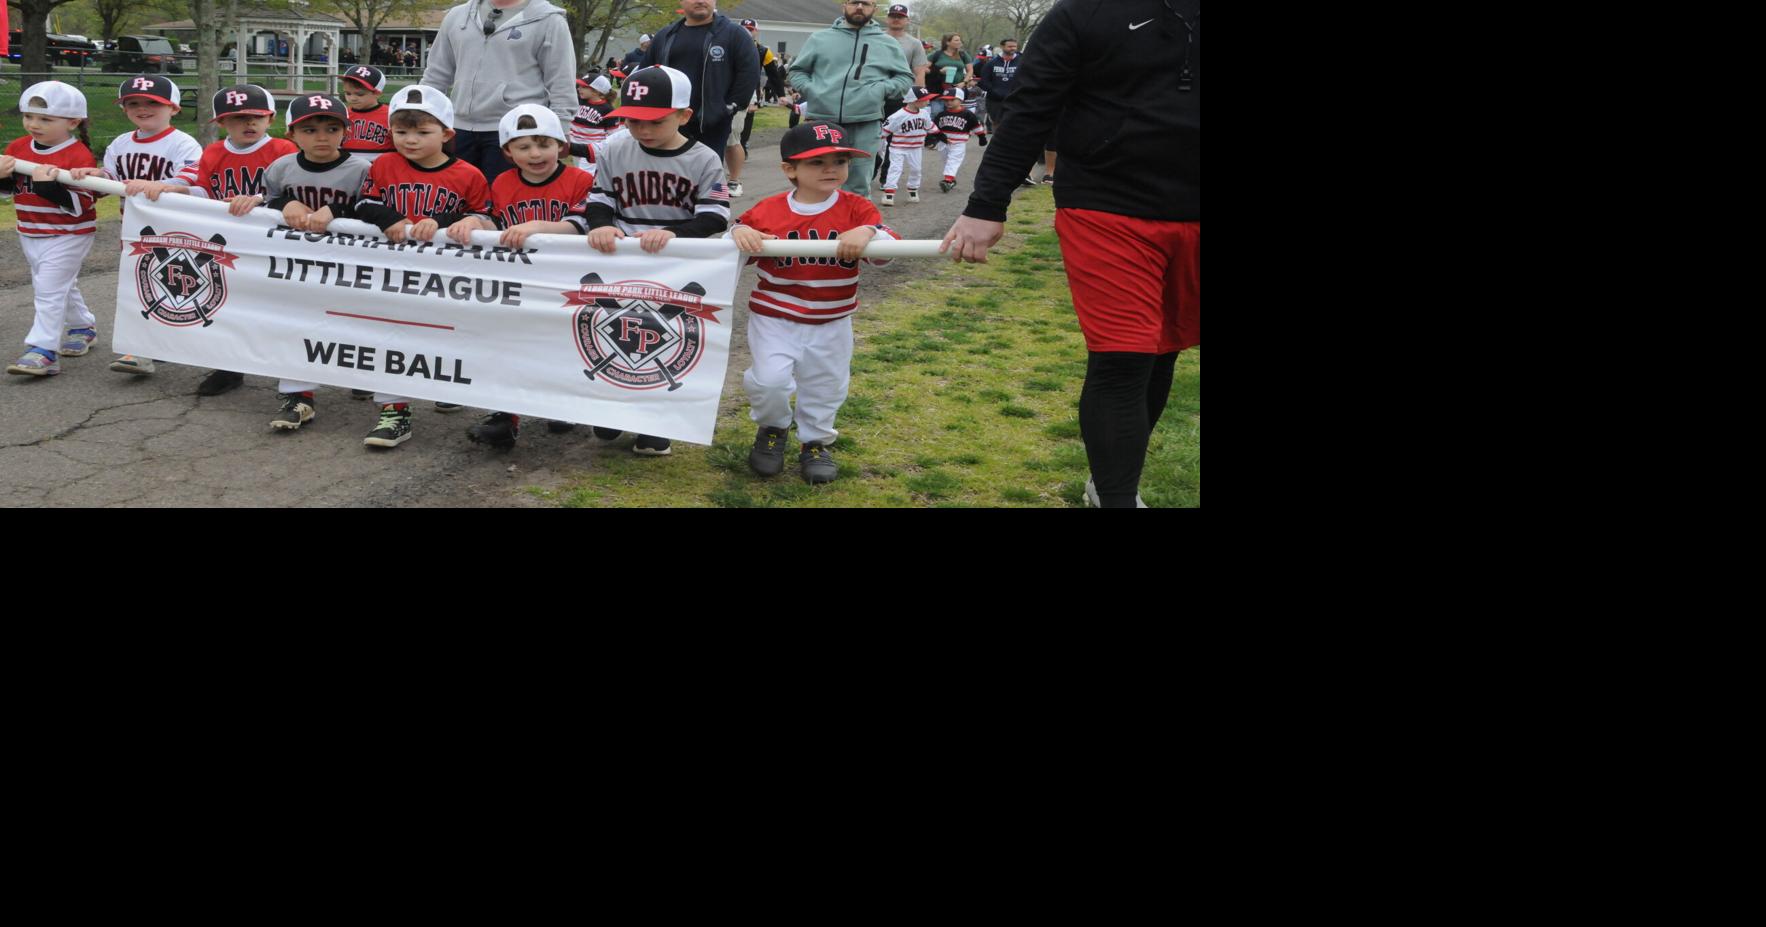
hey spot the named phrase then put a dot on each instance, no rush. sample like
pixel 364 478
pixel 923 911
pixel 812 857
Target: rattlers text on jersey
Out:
pixel 517 199
pixel 812 291
pixel 396 189
pixel 368 137
pixel 225 172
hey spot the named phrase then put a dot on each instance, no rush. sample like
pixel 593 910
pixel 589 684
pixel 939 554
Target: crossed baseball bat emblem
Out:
pixel 664 314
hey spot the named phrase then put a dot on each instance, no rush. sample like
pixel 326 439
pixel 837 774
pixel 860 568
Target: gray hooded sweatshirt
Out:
pixel 529 58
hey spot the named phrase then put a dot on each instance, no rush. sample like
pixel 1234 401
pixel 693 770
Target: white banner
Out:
pixel 634 341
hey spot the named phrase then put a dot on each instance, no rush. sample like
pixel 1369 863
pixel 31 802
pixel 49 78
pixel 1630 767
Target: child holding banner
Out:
pixel 654 155
pixel 230 168
pixel 154 151
pixel 530 200
pixel 422 184
pixel 55 224
pixel 316 184
pixel 800 313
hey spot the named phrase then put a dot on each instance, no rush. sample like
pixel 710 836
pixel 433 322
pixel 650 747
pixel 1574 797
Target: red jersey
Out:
pixel 39 217
pixel 813 291
pixel 394 184
pixel 517 200
pixel 591 125
pixel 226 172
pixel 368 132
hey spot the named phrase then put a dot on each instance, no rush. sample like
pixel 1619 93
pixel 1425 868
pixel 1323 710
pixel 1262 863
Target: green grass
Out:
pixel 953 404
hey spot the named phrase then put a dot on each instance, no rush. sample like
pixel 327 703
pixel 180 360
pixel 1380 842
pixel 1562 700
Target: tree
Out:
pixel 1024 15
pixel 32 19
pixel 112 14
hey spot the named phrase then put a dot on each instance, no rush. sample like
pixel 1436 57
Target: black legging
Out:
pixel 1123 397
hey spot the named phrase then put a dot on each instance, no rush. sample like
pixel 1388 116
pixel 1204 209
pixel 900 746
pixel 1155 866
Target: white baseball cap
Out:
pixel 423 100
pixel 642 39
pixel 545 121
pixel 60 99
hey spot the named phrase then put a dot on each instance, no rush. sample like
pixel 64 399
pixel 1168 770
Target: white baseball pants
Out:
pixel 815 361
pixel 55 275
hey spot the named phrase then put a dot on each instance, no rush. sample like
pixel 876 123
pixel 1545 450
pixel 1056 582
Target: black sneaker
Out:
pixel 652 446
pixel 945 186
pixel 557 427
pixel 499 429
pixel 218 382
pixel 394 428
pixel 297 410
pixel 818 464
pixel 607 434
pixel 768 456
pixel 446 407
pixel 361 394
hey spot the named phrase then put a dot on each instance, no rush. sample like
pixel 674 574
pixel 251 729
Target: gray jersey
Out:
pixel 293 177
pixel 647 189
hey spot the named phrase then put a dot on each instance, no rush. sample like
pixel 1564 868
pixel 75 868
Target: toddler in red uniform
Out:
pixel 55 223
pixel 230 169
pixel 369 135
pixel 418 183
pixel 800 313
pixel 530 200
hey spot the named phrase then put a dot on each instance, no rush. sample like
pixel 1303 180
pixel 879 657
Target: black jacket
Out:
pixel 1132 147
pixel 730 75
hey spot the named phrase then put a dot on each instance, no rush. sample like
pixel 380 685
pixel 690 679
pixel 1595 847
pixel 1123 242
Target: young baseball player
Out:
pixel 800 312
pixel 369 135
pixel 907 131
pixel 55 223
pixel 592 123
pixel 422 184
pixel 954 127
pixel 530 200
pixel 316 184
pixel 654 183
pixel 228 170
pixel 153 151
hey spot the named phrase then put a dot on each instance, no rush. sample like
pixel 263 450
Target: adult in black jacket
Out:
pixel 1128 206
pixel 719 57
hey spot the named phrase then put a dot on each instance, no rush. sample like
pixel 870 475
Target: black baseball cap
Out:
pixel 155 87
pixel 900 9
pixel 243 100
pixel 816 138
pixel 654 92
pixel 749 23
pixel 369 77
pixel 318 104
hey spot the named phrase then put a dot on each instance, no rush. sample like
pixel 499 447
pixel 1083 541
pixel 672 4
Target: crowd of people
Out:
pixel 499 116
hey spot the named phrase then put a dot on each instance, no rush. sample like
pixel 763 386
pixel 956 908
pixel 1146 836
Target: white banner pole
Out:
pixel 922 248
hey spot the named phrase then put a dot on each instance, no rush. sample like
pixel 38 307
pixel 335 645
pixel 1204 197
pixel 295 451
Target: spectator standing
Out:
pixel 719 59
pixel 493 55
pixel 846 74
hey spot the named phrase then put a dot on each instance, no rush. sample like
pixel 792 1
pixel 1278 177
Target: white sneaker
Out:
pixel 735 188
pixel 1091 496
pixel 913 196
pixel 889 199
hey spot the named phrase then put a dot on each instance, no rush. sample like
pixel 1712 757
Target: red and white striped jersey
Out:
pixel 516 200
pixel 226 172
pixel 43 218
pixel 813 291
pixel 369 137
pixel 907 129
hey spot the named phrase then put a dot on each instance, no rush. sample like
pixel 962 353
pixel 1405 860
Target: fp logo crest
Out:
pixel 236 98
pixel 639 335
pixel 142 83
pixel 180 278
pixel 636 91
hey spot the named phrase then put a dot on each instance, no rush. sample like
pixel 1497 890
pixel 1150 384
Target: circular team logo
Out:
pixel 180 278
pixel 638 334
pixel 717 53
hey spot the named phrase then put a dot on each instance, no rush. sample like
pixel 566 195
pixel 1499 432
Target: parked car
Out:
pixel 144 54
pixel 63 49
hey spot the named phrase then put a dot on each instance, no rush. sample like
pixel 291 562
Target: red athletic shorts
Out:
pixel 1137 283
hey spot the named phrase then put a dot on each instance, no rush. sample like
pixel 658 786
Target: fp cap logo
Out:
pixel 636 91
pixel 235 98
pixel 142 83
